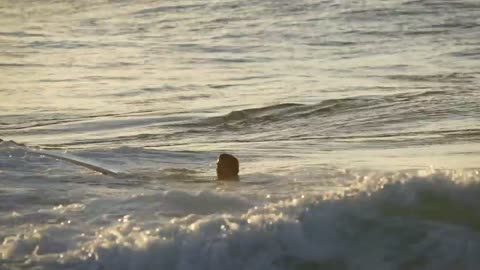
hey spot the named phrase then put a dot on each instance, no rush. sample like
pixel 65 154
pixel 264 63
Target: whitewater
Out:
pixel 356 124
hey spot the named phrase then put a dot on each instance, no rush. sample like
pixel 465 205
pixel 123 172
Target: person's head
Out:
pixel 227 167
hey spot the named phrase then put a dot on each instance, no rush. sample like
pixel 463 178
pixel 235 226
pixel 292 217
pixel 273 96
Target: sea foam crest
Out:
pixel 423 222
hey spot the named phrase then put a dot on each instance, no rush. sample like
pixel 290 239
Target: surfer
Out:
pixel 227 168
pixel 227 165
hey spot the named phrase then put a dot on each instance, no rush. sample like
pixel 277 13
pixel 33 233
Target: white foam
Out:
pixel 386 227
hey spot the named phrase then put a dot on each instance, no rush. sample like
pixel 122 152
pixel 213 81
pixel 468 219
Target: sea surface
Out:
pixel 356 123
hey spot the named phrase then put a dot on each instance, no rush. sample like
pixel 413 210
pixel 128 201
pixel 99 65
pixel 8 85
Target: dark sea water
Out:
pixel 357 126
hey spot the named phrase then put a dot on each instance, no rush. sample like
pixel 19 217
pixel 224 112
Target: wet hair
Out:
pixel 227 167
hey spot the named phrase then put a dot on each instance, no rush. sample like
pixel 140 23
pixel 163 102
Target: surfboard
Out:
pixel 74 160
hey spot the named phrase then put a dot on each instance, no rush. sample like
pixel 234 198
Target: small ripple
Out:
pixel 21 34
pixel 450 77
pixel 20 65
pixel 166 8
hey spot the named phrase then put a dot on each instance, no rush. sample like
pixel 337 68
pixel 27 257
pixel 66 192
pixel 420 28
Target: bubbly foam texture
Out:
pixel 386 221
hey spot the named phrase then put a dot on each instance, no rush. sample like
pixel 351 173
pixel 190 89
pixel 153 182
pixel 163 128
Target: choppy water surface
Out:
pixel 356 124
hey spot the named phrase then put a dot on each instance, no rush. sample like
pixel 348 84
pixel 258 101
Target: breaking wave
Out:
pixel 390 221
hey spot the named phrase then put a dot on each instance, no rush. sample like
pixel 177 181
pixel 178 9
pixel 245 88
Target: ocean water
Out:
pixel 356 124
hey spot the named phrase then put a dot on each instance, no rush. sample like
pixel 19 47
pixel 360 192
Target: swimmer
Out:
pixel 227 168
